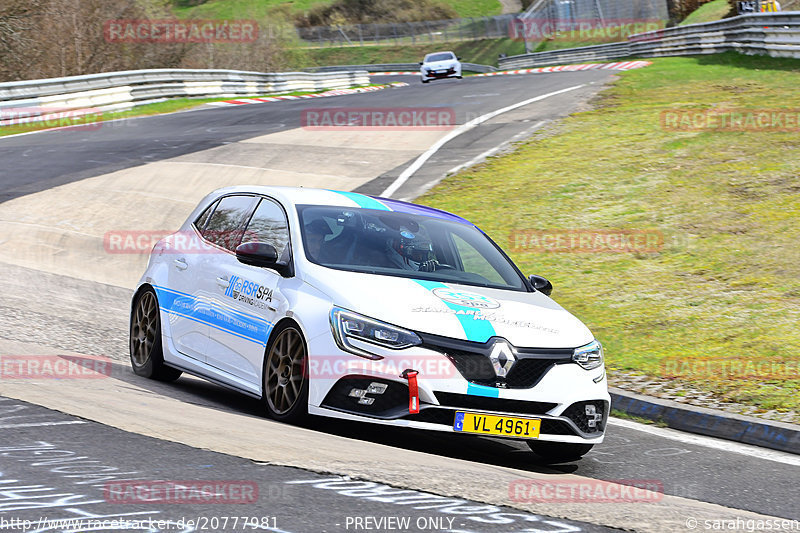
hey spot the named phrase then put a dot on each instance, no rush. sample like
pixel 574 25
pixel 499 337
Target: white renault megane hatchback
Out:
pixel 369 309
pixel 440 65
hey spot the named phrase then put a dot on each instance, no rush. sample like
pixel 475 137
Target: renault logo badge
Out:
pixel 502 358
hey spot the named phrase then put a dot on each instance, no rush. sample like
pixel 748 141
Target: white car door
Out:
pixel 251 296
pixel 181 299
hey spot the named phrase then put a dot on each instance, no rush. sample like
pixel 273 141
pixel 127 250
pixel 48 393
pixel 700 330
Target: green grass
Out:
pixel 484 52
pixel 709 12
pixel 238 9
pixel 727 283
pixel 475 8
pixel 260 9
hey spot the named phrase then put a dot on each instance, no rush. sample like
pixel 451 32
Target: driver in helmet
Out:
pixel 411 251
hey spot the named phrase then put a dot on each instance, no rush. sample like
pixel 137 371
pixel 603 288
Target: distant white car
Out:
pixel 439 65
pixel 367 309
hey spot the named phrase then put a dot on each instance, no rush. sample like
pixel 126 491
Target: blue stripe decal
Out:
pixel 475 330
pixel 367 202
pixel 480 390
pixel 220 317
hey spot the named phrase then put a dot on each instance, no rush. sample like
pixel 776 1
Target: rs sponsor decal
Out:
pixel 205 311
pixel 249 292
pixel 466 299
pixel 474 330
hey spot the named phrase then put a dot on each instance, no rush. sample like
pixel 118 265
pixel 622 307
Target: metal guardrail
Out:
pixel 115 90
pixel 393 67
pixel 774 34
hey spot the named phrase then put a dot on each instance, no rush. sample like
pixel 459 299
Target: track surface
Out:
pixel 43 311
pixel 37 162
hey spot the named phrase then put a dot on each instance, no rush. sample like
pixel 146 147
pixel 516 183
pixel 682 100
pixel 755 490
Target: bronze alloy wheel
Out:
pixel 285 383
pixel 147 356
pixel 144 326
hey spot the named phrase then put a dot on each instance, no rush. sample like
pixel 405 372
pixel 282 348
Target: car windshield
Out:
pixel 407 245
pixel 439 57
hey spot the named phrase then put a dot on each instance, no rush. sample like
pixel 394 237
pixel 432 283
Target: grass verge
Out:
pixel 709 12
pixel 233 9
pixel 483 52
pixel 717 308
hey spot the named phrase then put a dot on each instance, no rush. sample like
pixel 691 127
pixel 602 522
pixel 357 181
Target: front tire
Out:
pixel 147 354
pixel 285 390
pixel 558 452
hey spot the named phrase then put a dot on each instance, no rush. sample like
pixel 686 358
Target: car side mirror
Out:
pixel 258 254
pixel 458 58
pixel 541 284
pixel 421 63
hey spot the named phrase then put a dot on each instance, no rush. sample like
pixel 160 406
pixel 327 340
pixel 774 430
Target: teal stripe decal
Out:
pixel 480 390
pixel 225 319
pixel 475 330
pixel 364 201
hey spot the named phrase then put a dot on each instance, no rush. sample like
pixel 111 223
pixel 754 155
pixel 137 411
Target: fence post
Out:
pixel 360 35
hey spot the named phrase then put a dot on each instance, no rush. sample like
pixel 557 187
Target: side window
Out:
pixel 269 225
pixel 474 262
pixel 202 220
pixel 226 224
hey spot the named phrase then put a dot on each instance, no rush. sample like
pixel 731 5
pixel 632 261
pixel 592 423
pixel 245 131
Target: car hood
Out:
pixel 452 310
pixel 440 64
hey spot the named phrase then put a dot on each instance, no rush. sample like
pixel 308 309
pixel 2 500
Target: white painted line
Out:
pixel 416 165
pixel 37 424
pixel 490 152
pixel 710 442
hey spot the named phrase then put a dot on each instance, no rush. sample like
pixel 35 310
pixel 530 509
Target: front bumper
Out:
pixel 450 73
pixel 558 396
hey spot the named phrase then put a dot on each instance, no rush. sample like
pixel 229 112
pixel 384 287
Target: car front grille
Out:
pixel 472 361
pixel 495 405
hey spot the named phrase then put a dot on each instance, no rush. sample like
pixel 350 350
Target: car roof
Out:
pixel 442 52
pixel 329 197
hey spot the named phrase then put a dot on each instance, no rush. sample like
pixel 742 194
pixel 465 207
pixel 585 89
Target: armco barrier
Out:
pixel 393 67
pixel 114 90
pixel 774 34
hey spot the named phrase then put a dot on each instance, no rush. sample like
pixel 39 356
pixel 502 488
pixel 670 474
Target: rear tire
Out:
pixel 285 375
pixel 558 452
pixel 147 354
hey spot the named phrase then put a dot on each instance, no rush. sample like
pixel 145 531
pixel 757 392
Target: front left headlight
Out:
pixel 589 356
pixel 348 326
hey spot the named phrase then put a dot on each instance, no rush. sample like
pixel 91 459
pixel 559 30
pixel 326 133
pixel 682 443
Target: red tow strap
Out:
pixel 413 390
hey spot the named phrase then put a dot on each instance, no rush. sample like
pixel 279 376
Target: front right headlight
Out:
pixel 589 356
pixel 348 326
